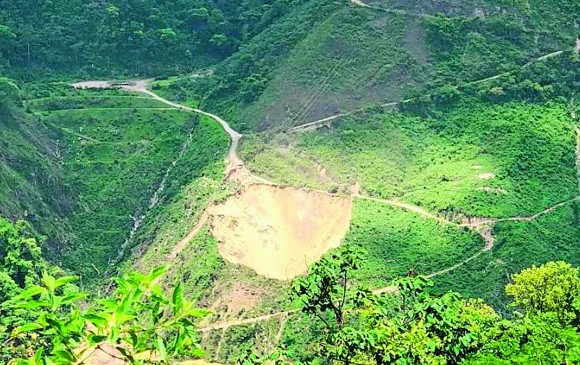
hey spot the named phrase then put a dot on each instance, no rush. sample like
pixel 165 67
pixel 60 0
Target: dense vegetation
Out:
pixel 43 320
pixel 121 37
pixel 44 323
pixel 32 185
pixel 111 160
pixel 448 113
pixel 410 325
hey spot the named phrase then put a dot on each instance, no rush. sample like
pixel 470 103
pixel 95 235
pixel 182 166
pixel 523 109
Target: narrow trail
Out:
pixel 140 86
pixel 190 236
pixel 328 120
pixel 391 11
pixel 490 221
pixel 240 322
pixel 360 3
pixel 405 206
pixel 233 159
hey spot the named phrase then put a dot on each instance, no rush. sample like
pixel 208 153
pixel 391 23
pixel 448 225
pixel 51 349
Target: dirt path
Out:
pixel 328 120
pixel 190 236
pixel 240 322
pixel 141 87
pixel 233 159
pixel 490 221
pixel 405 206
pixel 360 3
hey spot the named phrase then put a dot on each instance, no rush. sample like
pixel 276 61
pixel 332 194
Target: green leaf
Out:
pixel 65 280
pixel 29 327
pixel 49 281
pixel 199 312
pixel 65 355
pixel 30 292
pixel 156 273
pixel 96 339
pixel 177 298
pixel 32 304
pixel 73 297
pixel 38 356
pixel 161 348
pixel 95 319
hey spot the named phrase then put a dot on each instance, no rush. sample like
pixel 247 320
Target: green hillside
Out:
pixel 429 148
pixel 123 157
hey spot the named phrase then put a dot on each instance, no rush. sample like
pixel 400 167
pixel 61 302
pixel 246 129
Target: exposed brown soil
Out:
pixel 279 231
pixel 241 298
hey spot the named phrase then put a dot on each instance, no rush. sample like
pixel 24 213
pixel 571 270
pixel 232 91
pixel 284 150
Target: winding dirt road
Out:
pixel 483 226
pixel 141 87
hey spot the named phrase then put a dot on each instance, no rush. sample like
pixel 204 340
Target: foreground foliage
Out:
pixel 408 324
pixel 47 320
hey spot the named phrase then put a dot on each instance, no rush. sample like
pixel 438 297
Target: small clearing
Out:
pixel 279 231
pixel 486 176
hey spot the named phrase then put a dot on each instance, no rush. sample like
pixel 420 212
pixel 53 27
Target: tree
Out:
pixel 403 325
pixel 553 287
pixel 20 258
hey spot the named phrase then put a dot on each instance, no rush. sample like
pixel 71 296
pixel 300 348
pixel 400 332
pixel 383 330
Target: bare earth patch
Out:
pixel 486 176
pixel 279 231
pixel 492 190
pixel 241 298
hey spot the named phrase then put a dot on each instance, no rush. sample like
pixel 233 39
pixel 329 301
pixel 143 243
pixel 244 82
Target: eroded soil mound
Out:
pixel 279 231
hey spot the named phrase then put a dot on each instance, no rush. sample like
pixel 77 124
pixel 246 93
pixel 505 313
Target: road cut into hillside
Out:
pixel 279 231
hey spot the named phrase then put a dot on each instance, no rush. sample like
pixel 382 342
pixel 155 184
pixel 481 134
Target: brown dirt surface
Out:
pixel 279 231
pixel 241 298
pixel 107 356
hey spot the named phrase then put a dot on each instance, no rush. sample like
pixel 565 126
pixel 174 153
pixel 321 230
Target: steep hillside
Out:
pixel 343 56
pixel 440 136
pixel 127 37
pixel 124 156
pixel 32 185
pixel 451 126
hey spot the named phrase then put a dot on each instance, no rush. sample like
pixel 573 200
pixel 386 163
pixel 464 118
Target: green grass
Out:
pixel 519 245
pixel 116 150
pixel 177 89
pixel 439 161
pixel 91 102
pixel 398 241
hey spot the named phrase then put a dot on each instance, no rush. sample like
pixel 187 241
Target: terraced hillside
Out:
pixel 124 157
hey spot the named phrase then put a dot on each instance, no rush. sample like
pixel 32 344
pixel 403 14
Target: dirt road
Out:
pixel 141 87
